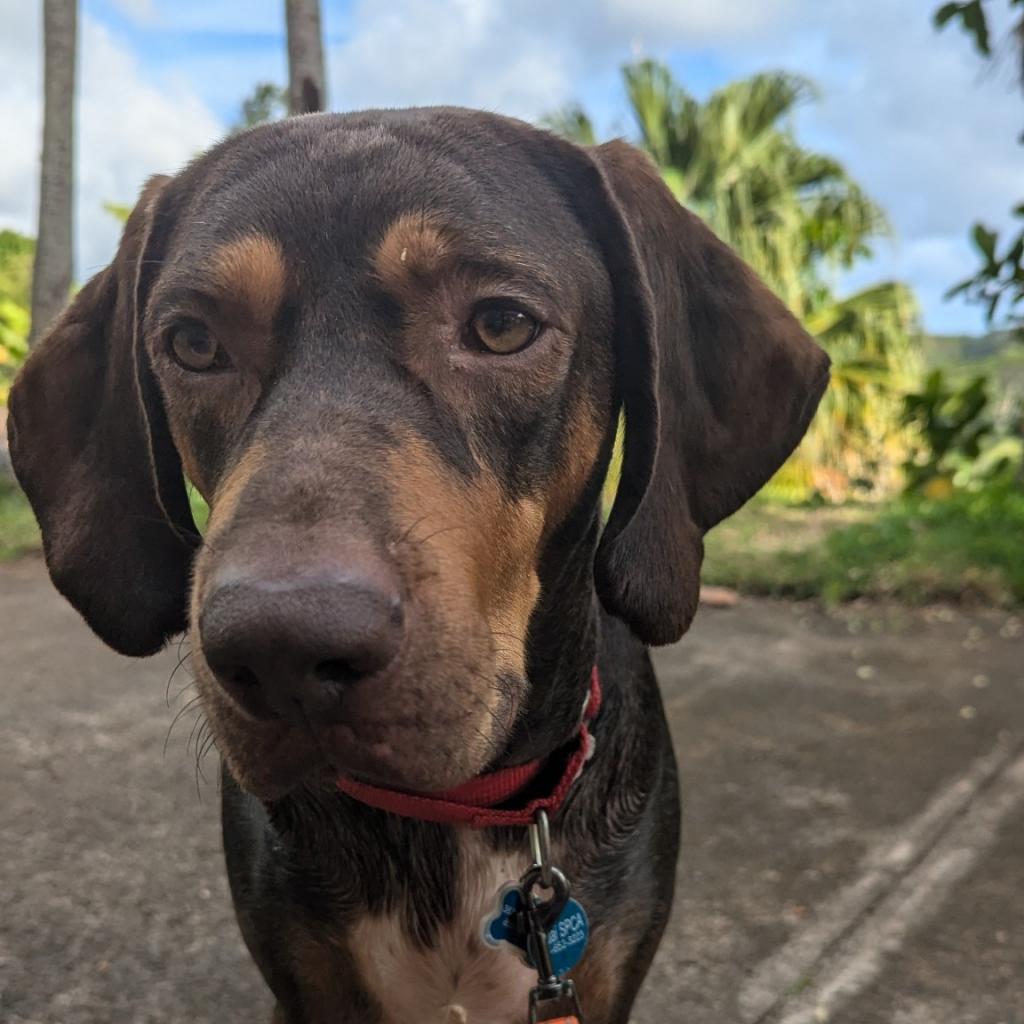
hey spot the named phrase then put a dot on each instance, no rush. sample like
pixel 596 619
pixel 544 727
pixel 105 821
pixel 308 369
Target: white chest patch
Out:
pixel 459 980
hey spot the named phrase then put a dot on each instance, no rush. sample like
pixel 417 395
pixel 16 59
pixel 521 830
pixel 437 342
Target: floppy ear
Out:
pixel 718 382
pixel 90 446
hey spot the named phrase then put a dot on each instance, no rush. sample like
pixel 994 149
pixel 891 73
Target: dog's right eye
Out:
pixel 192 347
pixel 503 329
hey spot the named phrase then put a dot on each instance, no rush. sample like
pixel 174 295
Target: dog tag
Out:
pixel 504 929
pixel 567 936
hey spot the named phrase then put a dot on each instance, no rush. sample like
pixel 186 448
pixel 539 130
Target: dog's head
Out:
pixel 391 351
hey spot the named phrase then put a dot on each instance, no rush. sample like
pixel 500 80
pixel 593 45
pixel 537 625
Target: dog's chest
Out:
pixel 459 979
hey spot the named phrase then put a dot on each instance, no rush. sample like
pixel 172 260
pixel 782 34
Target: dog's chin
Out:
pixel 402 759
pixel 296 761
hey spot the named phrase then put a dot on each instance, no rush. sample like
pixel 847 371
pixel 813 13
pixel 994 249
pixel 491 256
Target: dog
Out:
pixel 393 351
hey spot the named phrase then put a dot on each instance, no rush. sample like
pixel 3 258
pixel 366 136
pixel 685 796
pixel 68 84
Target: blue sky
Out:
pixel 921 122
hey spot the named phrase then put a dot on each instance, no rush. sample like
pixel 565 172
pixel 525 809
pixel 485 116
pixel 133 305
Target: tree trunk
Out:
pixel 51 275
pixel 306 81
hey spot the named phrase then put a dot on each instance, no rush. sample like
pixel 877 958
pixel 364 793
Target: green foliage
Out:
pixel 14 322
pixel 267 102
pixel 973 20
pixel 19 533
pixel 200 510
pixel 119 211
pixel 971 16
pixel 16 254
pixel 1001 275
pixel 797 217
pixel 968 546
pixel 1000 278
pixel 572 122
pixel 735 160
pixel 952 423
pixel 858 440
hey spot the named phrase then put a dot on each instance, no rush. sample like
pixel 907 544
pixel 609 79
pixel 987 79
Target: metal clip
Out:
pixel 553 999
pixel 568 1005
pixel 540 847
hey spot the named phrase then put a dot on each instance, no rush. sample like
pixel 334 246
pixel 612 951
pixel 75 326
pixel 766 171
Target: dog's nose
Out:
pixel 289 646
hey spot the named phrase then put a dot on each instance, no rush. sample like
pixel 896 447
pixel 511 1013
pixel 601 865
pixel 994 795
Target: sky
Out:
pixel 927 128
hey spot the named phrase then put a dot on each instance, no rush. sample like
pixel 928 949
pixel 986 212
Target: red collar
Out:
pixel 474 802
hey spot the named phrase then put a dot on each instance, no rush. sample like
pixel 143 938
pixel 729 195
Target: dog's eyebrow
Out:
pixel 182 298
pixel 512 270
pixel 250 271
pixel 247 275
pixel 417 250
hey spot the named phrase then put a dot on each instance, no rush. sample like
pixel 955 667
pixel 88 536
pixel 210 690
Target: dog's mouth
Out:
pixel 334 672
pixel 434 749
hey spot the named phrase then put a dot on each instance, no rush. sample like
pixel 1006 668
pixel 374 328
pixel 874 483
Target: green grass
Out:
pixel 966 547
pixel 19 533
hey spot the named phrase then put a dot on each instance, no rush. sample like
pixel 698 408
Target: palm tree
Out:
pixel 51 279
pixel 798 218
pixel 306 80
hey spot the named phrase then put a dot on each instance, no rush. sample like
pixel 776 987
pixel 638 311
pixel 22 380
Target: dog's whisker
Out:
pixel 184 689
pixel 189 706
pixel 438 532
pixel 408 533
pixel 207 746
pixel 201 747
pixel 182 658
pixel 194 736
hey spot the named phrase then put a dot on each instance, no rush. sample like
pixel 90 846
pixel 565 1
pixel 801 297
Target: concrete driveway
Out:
pixel 854 844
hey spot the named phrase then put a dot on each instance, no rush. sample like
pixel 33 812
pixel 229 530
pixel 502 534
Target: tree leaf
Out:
pixel 944 13
pixel 985 240
pixel 972 20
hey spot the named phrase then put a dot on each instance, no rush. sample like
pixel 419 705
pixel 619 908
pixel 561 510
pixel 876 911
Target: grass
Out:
pixel 968 547
pixel 19 533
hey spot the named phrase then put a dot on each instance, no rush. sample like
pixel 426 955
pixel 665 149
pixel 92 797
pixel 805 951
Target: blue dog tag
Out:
pixel 567 937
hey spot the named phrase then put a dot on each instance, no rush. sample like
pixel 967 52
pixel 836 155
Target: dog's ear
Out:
pixel 91 448
pixel 718 382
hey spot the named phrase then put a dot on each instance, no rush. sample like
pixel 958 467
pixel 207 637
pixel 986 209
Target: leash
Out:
pixel 549 933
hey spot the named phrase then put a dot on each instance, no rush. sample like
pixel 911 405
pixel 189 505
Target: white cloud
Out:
pixel 923 124
pixel 127 129
pixel 912 112
pixel 524 59
pixel 20 89
pixel 466 52
pixel 660 21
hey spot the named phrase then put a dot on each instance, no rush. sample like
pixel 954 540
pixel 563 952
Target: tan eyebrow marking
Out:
pixel 412 252
pixel 250 273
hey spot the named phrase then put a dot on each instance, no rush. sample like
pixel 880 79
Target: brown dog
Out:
pixel 391 349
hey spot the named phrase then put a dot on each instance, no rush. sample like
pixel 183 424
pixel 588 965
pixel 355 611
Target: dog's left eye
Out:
pixel 192 346
pixel 503 329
